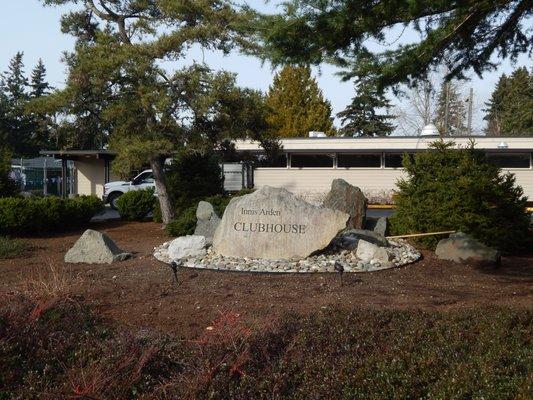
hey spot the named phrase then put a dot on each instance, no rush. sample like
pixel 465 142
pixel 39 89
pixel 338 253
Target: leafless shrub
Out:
pixel 52 283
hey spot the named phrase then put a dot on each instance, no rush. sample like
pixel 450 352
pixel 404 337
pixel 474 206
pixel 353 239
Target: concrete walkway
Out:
pixel 107 215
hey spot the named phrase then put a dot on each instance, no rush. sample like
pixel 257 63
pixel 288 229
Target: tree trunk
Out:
pixel 167 212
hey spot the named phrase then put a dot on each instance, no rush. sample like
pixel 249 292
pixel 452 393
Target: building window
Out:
pixel 311 161
pixel 278 162
pixel 358 160
pixel 510 160
pixel 394 160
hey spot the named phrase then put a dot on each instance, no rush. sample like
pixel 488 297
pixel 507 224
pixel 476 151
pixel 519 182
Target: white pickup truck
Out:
pixel 234 180
pixel 113 190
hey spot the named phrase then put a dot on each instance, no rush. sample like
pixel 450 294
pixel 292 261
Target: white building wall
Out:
pixel 378 184
pixel 90 177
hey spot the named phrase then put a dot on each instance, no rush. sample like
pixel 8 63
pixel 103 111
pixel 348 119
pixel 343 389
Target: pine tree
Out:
pixel 451 111
pixel 78 109
pixel 41 122
pixel 296 105
pixel 150 111
pixel 467 33
pixel 362 116
pixel 15 82
pixel 510 108
pixel 18 128
pixel 39 86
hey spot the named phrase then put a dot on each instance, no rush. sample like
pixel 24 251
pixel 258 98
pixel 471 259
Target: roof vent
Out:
pixel 503 145
pixel 316 134
pixel 429 130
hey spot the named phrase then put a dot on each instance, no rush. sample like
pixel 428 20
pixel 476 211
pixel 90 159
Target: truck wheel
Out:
pixel 113 197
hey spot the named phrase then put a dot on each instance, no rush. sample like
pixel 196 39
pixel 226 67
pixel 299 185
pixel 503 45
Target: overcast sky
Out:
pixel 25 25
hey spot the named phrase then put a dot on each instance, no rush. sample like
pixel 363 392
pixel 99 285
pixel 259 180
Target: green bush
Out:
pixel 20 216
pixel 156 216
pixel 450 188
pixel 135 205
pixel 192 177
pixel 12 248
pixel 185 222
pixel 8 187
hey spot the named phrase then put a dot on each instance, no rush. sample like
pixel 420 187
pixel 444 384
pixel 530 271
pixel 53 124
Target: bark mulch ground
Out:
pixel 141 292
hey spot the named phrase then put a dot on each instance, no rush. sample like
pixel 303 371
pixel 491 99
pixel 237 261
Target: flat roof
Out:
pixel 388 143
pixel 80 154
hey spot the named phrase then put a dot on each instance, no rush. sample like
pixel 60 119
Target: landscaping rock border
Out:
pixel 401 253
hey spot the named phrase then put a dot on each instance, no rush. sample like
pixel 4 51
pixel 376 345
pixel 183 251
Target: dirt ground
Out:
pixel 141 292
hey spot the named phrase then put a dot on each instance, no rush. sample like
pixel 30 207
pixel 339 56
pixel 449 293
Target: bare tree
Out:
pixel 418 110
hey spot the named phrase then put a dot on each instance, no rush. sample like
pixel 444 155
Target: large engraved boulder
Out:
pixel 272 223
pixel 349 199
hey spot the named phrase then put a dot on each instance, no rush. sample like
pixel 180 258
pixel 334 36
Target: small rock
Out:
pixel 207 221
pixel 381 227
pixel 369 252
pixel 348 239
pixel 95 247
pixel 461 247
pixel 187 246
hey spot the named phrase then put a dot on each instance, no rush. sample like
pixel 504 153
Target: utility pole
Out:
pixel 446 107
pixel 470 105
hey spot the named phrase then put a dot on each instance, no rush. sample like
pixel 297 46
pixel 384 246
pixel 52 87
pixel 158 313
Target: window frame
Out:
pixel 332 156
pixel 380 155
pixel 394 154
pixel 506 154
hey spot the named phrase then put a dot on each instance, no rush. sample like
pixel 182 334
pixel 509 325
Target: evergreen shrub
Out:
pixel 192 177
pixel 156 216
pixel 449 188
pixel 185 222
pixel 135 205
pixel 29 216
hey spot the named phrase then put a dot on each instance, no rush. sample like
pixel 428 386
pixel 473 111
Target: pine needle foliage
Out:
pixel 510 108
pixel 453 188
pixel 463 34
pixel 296 105
pixel 363 117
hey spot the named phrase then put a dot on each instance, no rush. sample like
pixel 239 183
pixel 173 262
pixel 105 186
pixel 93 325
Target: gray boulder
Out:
pixel 461 247
pixel 349 199
pixel 382 226
pixel 206 221
pixel 187 246
pixel 95 247
pixel 367 251
pixel 349 238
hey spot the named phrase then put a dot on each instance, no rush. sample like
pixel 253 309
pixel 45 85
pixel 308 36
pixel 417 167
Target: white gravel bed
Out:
pixel 401 253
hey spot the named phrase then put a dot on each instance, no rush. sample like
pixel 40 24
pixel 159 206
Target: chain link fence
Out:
pixel 41 176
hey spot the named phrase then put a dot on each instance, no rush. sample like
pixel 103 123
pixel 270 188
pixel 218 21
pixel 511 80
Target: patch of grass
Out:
pixel 14 248
pixel 67 352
